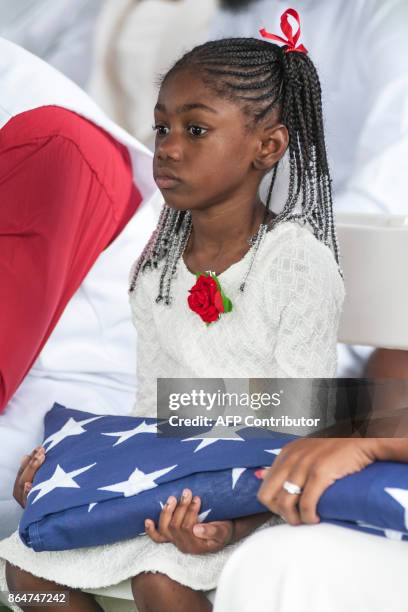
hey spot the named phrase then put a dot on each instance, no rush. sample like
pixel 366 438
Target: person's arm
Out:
pixel 392 449
pixel 61 204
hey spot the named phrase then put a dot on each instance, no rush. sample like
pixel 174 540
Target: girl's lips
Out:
pixel 167 182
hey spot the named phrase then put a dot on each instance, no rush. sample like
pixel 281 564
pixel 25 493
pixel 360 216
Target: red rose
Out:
pixel 205 299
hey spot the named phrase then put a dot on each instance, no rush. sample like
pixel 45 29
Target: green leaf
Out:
pixel 227 303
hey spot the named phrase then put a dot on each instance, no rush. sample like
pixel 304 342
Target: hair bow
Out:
pixel 291 39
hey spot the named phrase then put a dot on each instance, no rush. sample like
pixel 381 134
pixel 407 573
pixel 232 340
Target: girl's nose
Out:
pixel 169 147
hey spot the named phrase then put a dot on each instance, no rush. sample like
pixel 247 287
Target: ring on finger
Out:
pixel 291 488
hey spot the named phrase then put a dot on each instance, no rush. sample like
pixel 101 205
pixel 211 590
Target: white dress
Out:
pixel 283 325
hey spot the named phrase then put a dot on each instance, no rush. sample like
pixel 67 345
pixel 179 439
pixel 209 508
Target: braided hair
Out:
pixel 261 77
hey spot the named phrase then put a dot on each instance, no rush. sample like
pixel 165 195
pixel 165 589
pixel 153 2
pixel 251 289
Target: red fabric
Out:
pixel 66 191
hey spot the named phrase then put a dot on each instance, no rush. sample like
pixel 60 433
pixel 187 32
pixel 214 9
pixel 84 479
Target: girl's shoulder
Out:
pixel 292 252
pixel 296 241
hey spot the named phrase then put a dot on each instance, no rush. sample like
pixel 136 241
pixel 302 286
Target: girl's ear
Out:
pixel 272 144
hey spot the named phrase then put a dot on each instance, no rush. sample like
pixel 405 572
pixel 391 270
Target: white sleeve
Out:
pixel 310 298
pixel 148 350
pixel 378 181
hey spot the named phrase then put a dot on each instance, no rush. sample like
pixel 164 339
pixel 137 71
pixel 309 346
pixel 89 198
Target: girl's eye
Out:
pixel 161 130
pixel 196 130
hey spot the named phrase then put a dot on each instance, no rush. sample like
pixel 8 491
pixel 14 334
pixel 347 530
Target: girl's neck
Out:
pixel 220 238
pixel 217 230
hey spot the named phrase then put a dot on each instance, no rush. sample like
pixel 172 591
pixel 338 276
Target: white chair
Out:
pixel 374 250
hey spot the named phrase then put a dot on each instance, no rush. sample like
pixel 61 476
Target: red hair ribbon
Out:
pixel 291 39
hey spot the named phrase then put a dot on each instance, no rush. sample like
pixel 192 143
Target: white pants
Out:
pixel 315 568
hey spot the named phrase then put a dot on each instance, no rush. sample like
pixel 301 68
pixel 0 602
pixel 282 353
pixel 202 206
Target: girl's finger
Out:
pixel 23 464
pixel 166 515
pixel 210 545
pixel 216 534
pixel 208 531
pixel 25 461
pixel 191 516
pixel 27 488
pixel 35 462
pixel 153 533
pixel 181 509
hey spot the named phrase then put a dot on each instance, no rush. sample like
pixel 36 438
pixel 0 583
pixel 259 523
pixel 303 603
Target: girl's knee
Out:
pixel 19 580
pixel 149 580
pixel 154 592
pixel 151 589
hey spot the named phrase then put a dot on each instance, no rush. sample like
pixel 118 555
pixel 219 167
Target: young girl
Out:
pixel 226 113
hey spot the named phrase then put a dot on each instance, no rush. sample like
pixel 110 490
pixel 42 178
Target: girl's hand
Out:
pixel 313 465
pixel 243 526
pixel 25 475
pixel 179 524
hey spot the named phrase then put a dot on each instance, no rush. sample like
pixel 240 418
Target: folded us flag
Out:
pixel 104 475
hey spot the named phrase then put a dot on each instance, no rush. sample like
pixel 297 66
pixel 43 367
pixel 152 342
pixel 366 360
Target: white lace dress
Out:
pixel 284 325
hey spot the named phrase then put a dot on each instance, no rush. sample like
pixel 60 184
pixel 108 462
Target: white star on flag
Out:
pixel 274 451
pixel 236 474
pixel 401 496
pixel 201 517
pixel 91 506
pixel 70 428
pixel 206 441
pixel 125 435
pixel 59 479
pixel 137 482
pixel 391 534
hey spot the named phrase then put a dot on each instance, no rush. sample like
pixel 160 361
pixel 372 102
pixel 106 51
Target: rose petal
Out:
pixel 218 303
pixel 210 315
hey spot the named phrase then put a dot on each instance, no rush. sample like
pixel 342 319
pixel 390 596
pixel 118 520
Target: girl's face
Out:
pixel 204 153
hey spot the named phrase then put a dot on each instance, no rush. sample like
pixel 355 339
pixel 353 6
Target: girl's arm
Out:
pixel 149 353
pixel 246 525
pixel 303 298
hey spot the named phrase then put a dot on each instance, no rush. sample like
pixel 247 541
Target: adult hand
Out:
pixel 179 524
pixel 25 475
pixel 313 465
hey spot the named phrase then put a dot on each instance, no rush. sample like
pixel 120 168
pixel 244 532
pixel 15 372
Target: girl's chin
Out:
pixel 175 205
